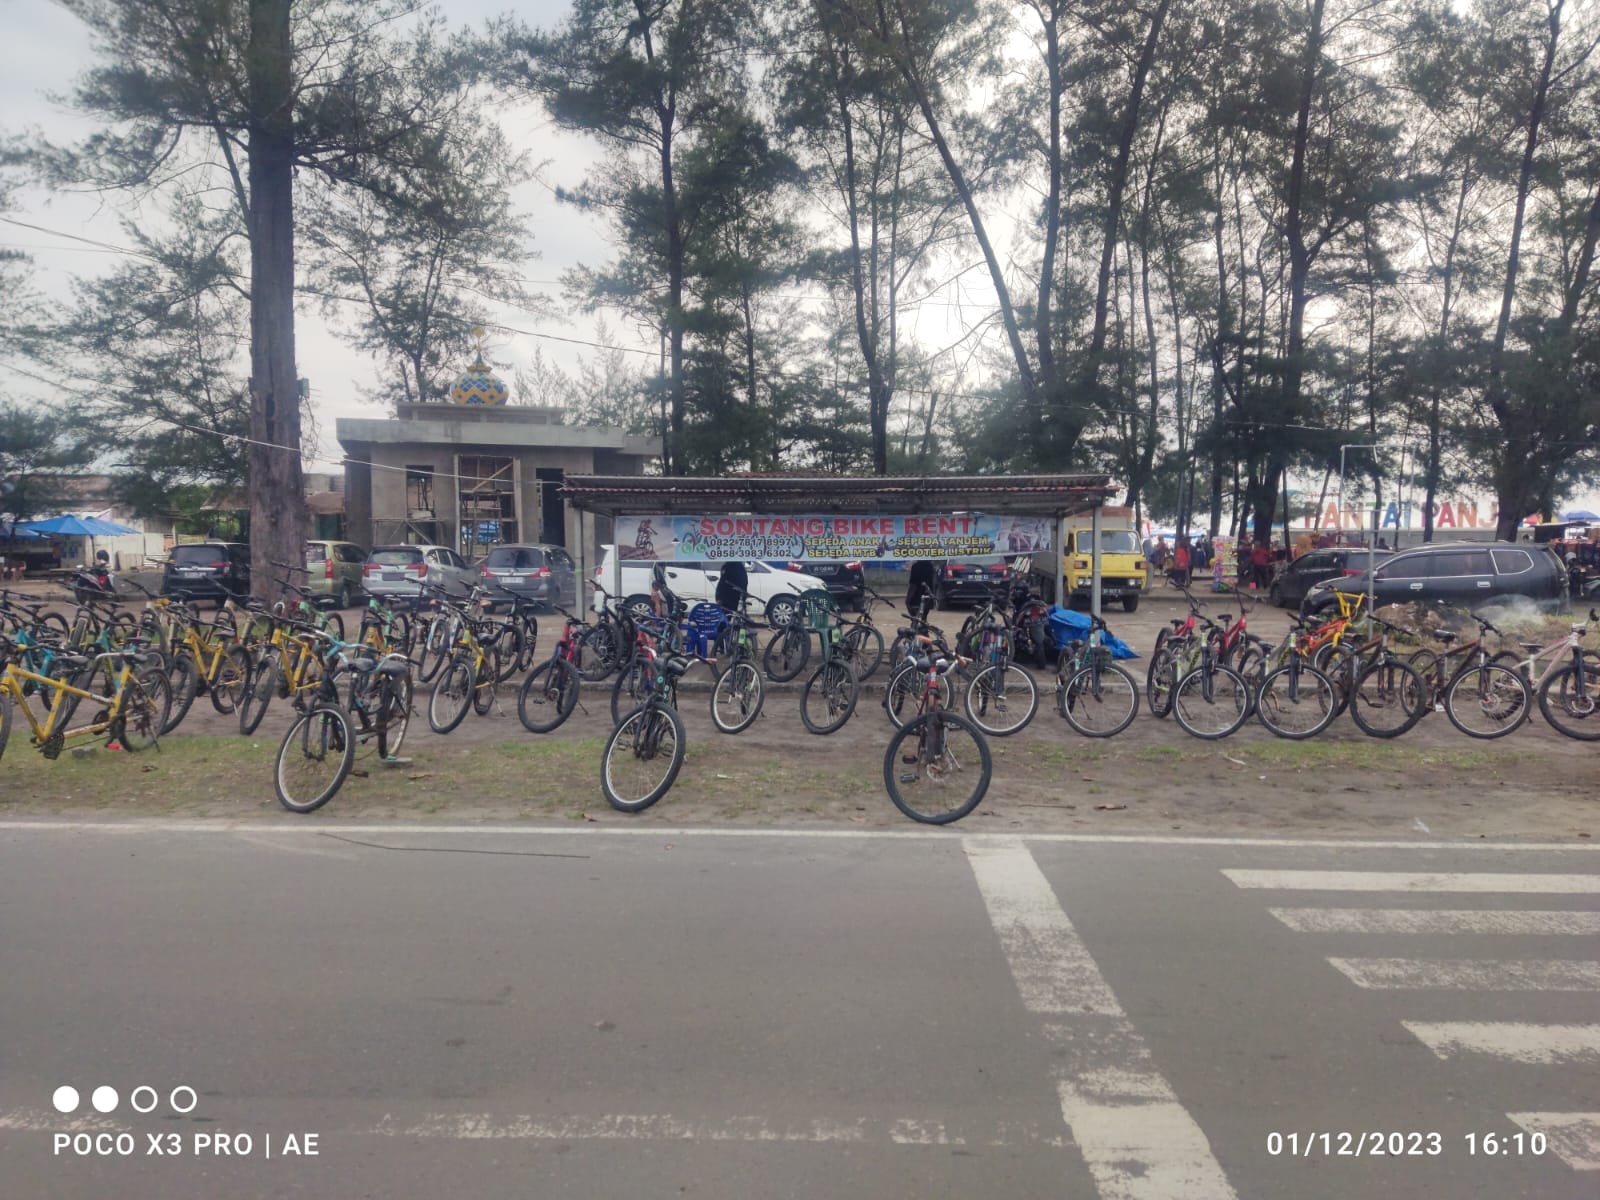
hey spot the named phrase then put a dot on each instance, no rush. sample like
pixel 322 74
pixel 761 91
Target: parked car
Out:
pixel 846 581
pixel 334 571
pixel 392 571
pixel 1463 574
pixel 1314 566
pixel 969 581
pixel 208 571
pixel 544 574
pixel 773 588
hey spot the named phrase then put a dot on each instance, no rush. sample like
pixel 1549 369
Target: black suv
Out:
pixel 1314 566
pixel 208 571
pixel 1463 574
pixel 845 582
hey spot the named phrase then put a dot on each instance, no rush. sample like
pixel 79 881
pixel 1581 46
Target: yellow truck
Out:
pixel 1068 578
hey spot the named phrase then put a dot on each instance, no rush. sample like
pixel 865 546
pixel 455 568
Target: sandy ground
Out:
pixel 1151 778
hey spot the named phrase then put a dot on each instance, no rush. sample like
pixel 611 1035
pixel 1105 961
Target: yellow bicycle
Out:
pixel 135 711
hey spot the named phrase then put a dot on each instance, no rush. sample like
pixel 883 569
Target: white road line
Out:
pixel 1515 1041
pixel 1473 974
pixel 1434 920
pixel 1574 1137
pixel 1138 1141
pixel 664 1127
pixel 1414 881
pixel 222 825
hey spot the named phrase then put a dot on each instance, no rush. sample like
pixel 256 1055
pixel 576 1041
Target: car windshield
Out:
pixel 198 556
pixel 1112 541
pixel 397 556
pixel 505 557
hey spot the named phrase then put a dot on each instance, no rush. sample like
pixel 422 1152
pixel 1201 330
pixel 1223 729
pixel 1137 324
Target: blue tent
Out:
pixel 71 526
pixel 1580 515
pixel 18 533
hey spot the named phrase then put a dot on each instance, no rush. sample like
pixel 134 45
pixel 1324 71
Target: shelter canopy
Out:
pixel 1035 495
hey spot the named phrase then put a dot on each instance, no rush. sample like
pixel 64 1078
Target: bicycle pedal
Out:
pixel 910 777
pixel 358 773
pixel 908 758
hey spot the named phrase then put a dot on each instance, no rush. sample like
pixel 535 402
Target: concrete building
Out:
pixel 474 472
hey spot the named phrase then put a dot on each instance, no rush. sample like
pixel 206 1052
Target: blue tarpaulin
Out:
pixel 1069 626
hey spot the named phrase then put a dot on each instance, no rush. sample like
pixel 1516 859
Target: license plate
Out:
pixel 392 577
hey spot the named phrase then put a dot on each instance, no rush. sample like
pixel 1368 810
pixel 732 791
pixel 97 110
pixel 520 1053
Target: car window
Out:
pixel 198 556
pixel 1317 560
pixel 455 560
pixel 316 550
pixel 350 554
pixel 1413 567
pixel 515 556
pixel 1451 564
pixel 1512 562
pixel 396 556
pixel 560 557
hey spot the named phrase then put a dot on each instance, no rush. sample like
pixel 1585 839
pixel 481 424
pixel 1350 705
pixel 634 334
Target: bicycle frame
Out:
pixel 11 684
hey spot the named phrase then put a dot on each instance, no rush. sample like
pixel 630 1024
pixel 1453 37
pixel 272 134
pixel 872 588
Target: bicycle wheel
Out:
pixel 1388 698
pixel 862 648
pixel 1211 705
pixel 143 713
pixel 487 680
pixel 897 651
pixel 333 622
pixel 631 689
pixel 1099 701
pixel 1487 701
pixel 786 654
pixel 1570 707
pixel 597 653
pixel 1296 701
pixel 1162 677
pixel 391 715
pixel 452 695
pixel 1250 660
pixel 314 759
pixel 903 697
pixel 1002 699
pixel 8 718
pixel 183 677
pixel 829 697
pixel 937 768
pixel 642 758
pixel 736 700
pixel 233 672
pixel 508 645
pixel 433 648
pixel 1426 664
pixel 259 690
pixel 548 695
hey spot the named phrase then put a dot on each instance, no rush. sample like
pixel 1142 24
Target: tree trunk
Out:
pixel 672 444
pixel 278 518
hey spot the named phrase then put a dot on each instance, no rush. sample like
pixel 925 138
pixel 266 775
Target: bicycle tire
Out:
pixel 314 759
pixel 737 698
pixel 917 793
pixel 1095 709
pixel 225 689
pixel 862 646
pixel 142 711
pixel 1296 702
pixel 1572 710
pixel 183 677
pixel 508 645
pixel 333 622
pixel 1487 701
pixel 597 653
pixel 639 738
pixel 834 687
pixel 548 696
pixel 630 690
pixel 1426 664
pixel 1388 699
pixel 258 694
pixel 786 654
pixel 433 648
pixel 1004 691
pixel 452 695
pixel 486 680
pixel 902 698
pixel 1161 677
pixel 1217 715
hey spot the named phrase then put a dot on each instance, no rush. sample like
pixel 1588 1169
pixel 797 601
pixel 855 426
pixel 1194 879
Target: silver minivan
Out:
pixel 402 570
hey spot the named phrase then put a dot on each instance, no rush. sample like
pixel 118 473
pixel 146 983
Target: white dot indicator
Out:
pixel 173 1099
pixel 104 1099
pixel 65 1099
pixel 144 1103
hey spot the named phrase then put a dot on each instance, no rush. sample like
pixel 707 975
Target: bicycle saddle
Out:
pixel 1444 635
pixel 677 665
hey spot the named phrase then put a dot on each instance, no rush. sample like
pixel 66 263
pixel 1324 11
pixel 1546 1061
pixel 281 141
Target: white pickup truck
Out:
pixel 772 588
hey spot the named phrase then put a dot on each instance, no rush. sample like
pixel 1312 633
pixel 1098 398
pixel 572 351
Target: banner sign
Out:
pixel 831 538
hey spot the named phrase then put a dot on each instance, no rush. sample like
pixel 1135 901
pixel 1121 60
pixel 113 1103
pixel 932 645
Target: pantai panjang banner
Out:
pixel 832 538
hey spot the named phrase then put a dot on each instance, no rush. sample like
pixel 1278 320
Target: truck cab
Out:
pixel 1069 577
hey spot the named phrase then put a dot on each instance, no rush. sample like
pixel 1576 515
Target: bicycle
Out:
pixel 1097 697
pixel 549 694
pixel 1293 699
pixel 469 681
pixel 926 760
pixel 645 751
pixel 789 648
pixel 1001 698
pixel 739 693
pixel 834 682
pixel 860 640
pixel 1385 694
pixel 607 645
pixel 1481 690
pixel 1212 700
pixel 133 717
pixel 1569 695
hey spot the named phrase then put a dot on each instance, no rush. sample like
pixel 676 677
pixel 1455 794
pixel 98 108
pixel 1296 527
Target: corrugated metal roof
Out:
pixel 1030 494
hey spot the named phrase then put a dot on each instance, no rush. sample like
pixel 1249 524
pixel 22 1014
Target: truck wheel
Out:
pixel 1130 603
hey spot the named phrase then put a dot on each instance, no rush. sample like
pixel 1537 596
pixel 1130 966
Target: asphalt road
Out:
pixel 579 1013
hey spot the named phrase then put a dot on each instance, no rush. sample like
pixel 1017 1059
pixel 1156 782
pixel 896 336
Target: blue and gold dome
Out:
pixel 478 384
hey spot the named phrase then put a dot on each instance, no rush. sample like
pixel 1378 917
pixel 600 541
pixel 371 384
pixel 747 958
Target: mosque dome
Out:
pixel 478 384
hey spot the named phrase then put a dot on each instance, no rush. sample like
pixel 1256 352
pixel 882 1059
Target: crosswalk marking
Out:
pixel 1431 920
pixel 1517 1041
pixel 1138 1141
pixel 1574 1137
pixel 1473 974
pixel 1414 881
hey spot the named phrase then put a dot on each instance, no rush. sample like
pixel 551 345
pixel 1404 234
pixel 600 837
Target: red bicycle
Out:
pixel 550 692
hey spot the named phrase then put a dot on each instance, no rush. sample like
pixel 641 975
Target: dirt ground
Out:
pixel 1153 778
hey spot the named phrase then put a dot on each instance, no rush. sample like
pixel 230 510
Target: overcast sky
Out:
pixel 44 48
